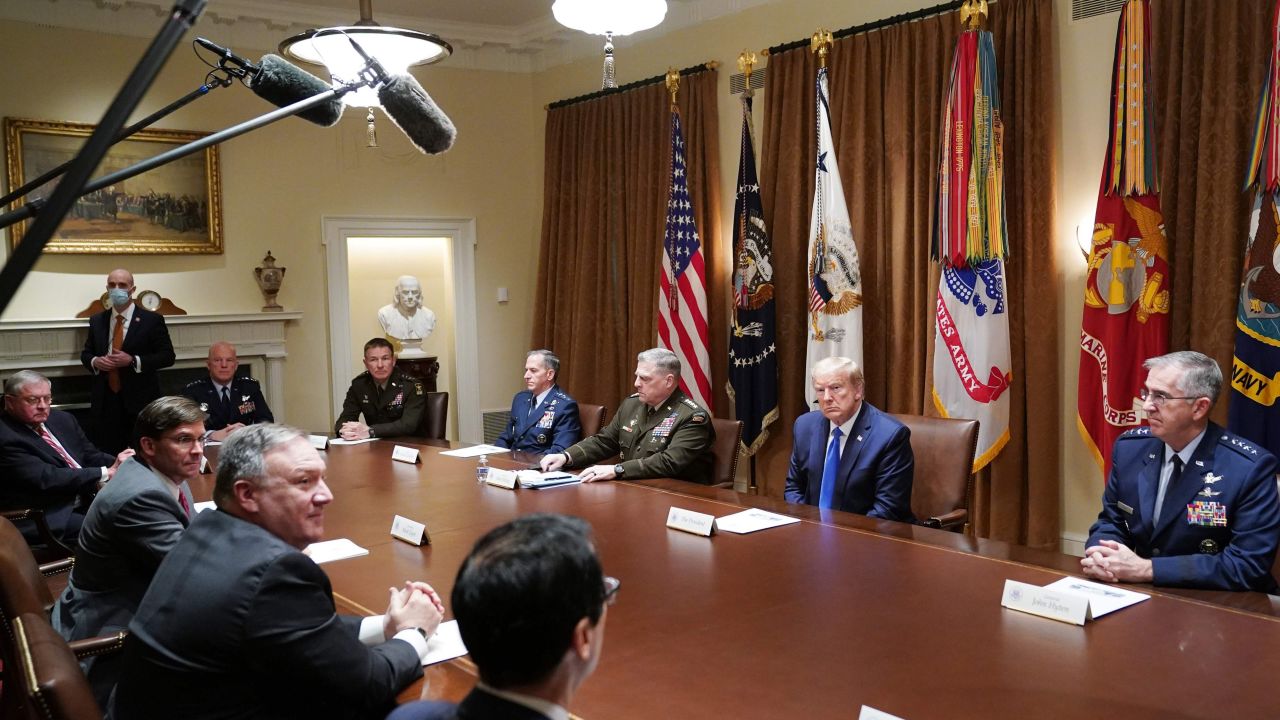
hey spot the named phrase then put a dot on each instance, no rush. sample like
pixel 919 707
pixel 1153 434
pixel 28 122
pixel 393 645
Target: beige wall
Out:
pixel 280 181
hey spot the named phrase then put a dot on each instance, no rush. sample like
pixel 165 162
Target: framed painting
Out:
pixel 172 209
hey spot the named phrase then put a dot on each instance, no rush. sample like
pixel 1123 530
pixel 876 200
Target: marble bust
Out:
pixel 406 319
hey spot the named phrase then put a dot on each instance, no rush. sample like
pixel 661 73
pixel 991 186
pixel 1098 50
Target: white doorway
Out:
pixel 450 240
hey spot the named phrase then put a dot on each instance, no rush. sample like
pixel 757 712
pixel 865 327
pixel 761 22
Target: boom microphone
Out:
pixel 418 117
pixel 279 82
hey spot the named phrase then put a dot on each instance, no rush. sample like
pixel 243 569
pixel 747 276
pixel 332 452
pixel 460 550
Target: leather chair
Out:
pixel 591 418
pixel 47 674
pixel 435 416
pixel 942 489
pixel 725 448
pixel 51 547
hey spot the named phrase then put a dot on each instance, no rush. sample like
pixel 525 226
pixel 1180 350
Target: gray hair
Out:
pixel 1201 376
pixel 15 383
pixel 244 456
pixel 166 413
pixel 662 358
pixel 550 360
pixel 837 364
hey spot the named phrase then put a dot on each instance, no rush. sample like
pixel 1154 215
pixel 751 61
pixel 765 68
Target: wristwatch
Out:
pixel 619 470
pixel 422 632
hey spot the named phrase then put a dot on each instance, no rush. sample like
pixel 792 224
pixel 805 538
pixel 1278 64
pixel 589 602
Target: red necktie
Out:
pixel 117 340
pixel 44 434
pixel 182 500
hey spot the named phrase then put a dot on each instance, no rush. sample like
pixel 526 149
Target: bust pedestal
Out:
pixel 425 367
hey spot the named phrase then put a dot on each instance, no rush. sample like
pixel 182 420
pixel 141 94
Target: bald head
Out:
pixel 120 287
pixel 222 362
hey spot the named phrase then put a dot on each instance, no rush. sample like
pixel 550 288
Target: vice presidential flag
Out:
pixel 682 297
pixel 835 280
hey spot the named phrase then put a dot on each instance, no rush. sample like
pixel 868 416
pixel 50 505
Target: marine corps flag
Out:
pixel 1255 369
pixel 753 351
pixel 835 280
pixel 971 365
pixel 1126 295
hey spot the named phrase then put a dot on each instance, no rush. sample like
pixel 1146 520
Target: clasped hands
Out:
pixel 113 360
pixel 416 605
pixel 352 430
pixel 1110 561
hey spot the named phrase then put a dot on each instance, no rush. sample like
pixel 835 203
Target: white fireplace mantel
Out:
pixel 53 346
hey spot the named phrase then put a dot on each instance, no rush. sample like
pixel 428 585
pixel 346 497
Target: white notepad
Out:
pixel 330 550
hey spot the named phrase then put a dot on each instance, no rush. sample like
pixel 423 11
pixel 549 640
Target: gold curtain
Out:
pixel 887 90
pixel 604 210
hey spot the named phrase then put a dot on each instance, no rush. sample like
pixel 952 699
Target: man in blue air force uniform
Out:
pixel 1187 504
pixel 544 419
pixel 231 402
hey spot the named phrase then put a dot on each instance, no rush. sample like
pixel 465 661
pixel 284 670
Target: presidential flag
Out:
pixel 971 359
pixel 1255 368
pixel 753 350
pixel 682 297
pixel 1126 296
pixel 835 280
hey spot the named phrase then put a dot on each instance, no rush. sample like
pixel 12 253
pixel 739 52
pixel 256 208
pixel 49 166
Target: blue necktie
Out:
pixel 829 469
pixel 533 404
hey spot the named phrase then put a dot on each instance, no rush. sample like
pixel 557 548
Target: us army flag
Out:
pixel 835 280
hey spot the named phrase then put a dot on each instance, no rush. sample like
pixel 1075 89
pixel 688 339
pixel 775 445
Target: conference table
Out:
pixel 813 619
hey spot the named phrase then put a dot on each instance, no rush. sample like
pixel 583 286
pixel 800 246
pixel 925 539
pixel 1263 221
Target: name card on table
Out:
pixel 403 454
pixel 204 465
pixel 498 477
pixel 319 442
pixel 414 533
pixel 691 522
pixel 1053 604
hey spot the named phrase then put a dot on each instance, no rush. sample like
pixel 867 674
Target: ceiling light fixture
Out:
pixel 609 18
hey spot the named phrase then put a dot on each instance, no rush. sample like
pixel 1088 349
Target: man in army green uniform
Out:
pixel 391 399
pixel 658 432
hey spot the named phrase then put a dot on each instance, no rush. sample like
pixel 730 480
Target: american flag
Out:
pixel 682 296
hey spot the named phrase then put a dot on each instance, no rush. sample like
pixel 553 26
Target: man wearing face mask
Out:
pixel 406 318
pixel 126 347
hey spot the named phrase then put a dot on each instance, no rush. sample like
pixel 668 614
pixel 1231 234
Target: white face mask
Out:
pixel 119 297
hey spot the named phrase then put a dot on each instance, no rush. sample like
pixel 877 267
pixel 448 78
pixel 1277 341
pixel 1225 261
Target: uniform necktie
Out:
pixel 533 404
pixel 1173 478
pixel 117 341
pixel 829 469
pixel 45 435
pixel 226 399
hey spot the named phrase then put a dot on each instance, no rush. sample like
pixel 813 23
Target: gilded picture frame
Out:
pixel 174 209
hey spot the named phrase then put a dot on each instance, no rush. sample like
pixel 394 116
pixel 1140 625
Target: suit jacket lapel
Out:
pixel 858 434
pixel 1149 482
pixel 134 334
pixel 1180 494
pixel 818 458
pixel 530 418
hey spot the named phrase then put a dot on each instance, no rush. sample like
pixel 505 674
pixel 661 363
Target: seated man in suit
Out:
pixel 46 462
pixel 658 432
pixel 531 602
pixel 231 402
pixel 543 418
pixel 135 521
pixel 391 400
pixel 1187 504
pixel 848 455
pixel 240 623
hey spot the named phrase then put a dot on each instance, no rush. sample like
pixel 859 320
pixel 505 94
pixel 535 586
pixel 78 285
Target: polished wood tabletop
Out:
pixel 813 619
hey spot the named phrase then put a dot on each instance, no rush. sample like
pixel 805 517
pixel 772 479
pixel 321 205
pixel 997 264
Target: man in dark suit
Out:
pixel 46 462
pixel 1187 504
pixel 531 601
pixel 848 455
pixel 238 622
pixel 231 402
pixel 544 419
pixel 391 400
pixel 134 521
pixel 126 347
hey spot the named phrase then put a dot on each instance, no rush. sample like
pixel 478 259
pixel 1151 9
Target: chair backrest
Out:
pixel 725 449
pixel 22 586
pixel 48 674
pixel 943 483
pixel 591 417
pixel 435 418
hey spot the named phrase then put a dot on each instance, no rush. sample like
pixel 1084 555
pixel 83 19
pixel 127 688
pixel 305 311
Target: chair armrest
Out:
pixel 104 645
pixel 57 567
pixel 54 546
pixel 728 485
pixel 948 521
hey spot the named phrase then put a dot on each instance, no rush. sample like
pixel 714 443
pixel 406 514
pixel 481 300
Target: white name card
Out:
pixel 319 442
pixel 204 465
pixel 414 533
pixel 403 454
pixel 870 713
pixel 1061 606
pixel 502 478
pixel 691 522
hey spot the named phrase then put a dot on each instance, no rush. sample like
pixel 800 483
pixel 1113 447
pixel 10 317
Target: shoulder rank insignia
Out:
pixel 698 419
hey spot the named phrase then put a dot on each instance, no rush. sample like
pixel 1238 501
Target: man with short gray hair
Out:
pixel 1187 504
pixel 543 419
pixel 657 432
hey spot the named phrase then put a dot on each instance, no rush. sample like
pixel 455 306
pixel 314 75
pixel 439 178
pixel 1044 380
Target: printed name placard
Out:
pixel 1061 606
pixel 400 453
pixel 502 478
pixel 204 465
pixel 691 522
pixel 319 442
pixel 414 533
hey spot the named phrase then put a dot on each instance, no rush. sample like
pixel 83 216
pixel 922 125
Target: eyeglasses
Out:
pixel 34 400
pixel 185 442
pixel 611 585
pixel 1157 398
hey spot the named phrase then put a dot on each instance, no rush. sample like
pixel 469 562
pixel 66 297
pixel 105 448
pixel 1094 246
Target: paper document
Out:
pixel 870 713
pixel 534 479
pixel 1103 598
pixel 330 550
pixel 752 520
pixel 445 644
pixel 206 505
pixel 340 441
pixel 475 451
